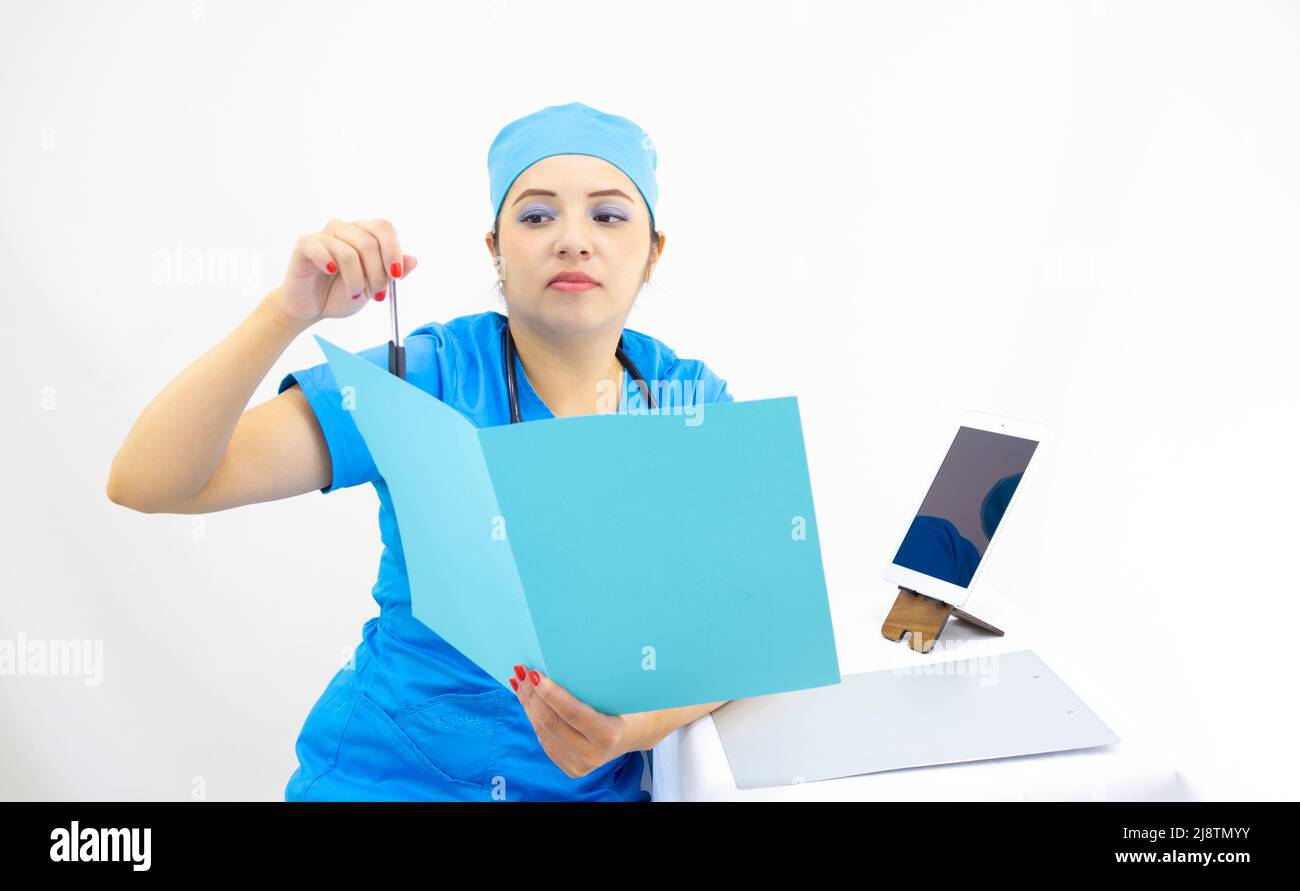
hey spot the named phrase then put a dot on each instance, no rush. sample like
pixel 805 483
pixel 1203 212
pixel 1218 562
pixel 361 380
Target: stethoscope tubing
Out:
pixel 397 359
pixel 512 388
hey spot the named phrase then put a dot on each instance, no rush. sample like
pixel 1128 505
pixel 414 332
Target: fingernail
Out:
pixel 331 267
pixel 519 672
pixel 396 269
pixel 535 678
pixel 514 683
pixel 379 295
pixel 356 296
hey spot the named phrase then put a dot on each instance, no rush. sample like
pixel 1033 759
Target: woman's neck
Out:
pixel 574 376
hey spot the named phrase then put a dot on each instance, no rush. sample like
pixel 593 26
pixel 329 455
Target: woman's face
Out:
pixel 573 213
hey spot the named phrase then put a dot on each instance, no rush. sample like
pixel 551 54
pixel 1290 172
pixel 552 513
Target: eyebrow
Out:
pixel 524 194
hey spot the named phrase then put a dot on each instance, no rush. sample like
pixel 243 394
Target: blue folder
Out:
pixel 642 560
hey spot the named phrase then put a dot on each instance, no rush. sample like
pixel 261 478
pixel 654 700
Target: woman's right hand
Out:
pixel 334 272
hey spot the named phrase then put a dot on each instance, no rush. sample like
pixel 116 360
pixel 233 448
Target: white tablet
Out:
pixel 947 544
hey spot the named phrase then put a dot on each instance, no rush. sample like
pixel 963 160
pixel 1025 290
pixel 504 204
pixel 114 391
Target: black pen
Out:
pixel 396 352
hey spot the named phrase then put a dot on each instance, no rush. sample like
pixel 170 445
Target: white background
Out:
pixel 1084 214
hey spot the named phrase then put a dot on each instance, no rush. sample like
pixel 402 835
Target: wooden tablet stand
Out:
pixel 925 617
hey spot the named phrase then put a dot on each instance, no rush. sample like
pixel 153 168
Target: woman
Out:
pixel 573 241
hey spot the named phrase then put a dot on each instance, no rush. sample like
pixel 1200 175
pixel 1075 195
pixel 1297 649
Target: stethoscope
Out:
pixel 397 359
pixel 513 389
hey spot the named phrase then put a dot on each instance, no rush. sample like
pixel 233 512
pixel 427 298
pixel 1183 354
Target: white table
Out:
pixel 691 765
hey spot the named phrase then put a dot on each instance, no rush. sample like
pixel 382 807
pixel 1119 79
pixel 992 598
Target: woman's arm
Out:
pixel 578 738
pixel 177 445
pixel 194 449
pixel 647 729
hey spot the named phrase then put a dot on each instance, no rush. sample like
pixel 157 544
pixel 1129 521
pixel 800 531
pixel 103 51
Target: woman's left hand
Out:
pixel 575 736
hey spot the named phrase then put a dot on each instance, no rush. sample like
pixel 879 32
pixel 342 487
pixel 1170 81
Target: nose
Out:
pixel 574 238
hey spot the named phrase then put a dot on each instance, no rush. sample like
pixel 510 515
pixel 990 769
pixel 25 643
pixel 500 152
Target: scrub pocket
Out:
pixel 452 735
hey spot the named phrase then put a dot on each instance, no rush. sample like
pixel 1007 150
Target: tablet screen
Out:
pixel 964 506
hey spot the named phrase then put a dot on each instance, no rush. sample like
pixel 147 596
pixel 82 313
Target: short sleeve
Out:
pixel 349 456
pixel 713 388
pixel 722 394
pixel 699 385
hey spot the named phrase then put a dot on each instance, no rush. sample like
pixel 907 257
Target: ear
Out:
pixel 656 251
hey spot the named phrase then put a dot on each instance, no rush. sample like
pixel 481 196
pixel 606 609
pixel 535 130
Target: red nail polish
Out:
pixel 396 269
pixel 519 672
pixel 535 678
pixel 356 296
pixel 514 683
pixel 379 295
pixel 331 267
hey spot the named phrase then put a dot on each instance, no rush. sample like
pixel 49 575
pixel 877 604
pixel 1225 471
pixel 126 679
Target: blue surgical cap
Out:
pixel 573 129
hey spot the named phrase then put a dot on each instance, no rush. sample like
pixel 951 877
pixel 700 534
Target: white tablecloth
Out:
pixel 691 765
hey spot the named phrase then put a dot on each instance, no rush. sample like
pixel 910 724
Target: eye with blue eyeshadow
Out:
pixel 612 211
pixel 540 210
pixel 535 210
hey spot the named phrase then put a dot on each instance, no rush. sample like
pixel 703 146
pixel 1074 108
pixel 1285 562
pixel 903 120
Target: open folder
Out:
pixel 642 560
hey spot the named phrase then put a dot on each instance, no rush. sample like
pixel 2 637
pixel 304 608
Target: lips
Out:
pixel 574 277
pixel 573 281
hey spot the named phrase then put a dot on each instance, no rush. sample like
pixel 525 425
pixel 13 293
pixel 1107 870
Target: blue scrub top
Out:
pixel 412 718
